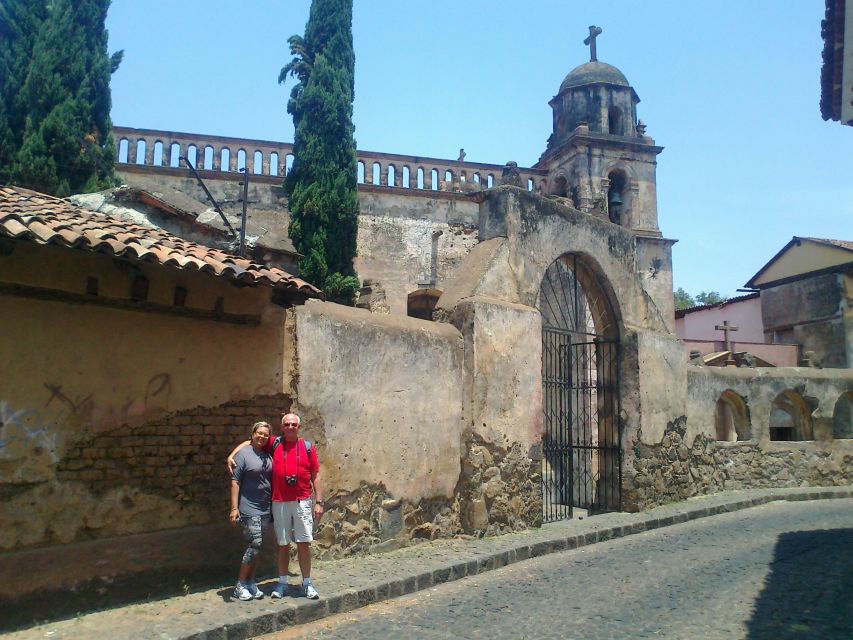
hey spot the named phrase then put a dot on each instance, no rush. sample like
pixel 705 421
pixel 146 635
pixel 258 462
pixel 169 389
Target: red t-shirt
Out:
pixel 284 463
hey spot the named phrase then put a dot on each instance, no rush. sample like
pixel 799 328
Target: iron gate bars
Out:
pixel 582 461
pixel 582 445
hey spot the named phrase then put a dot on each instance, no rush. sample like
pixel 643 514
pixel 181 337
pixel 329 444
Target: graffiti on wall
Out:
pixel 35 436
pixel 32 436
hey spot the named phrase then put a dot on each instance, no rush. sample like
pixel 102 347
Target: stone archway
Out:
pixel 731 418
pixel 582 446
pixel 790 418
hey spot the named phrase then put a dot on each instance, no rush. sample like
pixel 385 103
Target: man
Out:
pixel 295 470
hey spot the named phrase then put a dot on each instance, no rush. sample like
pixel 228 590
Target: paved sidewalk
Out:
pixel 355 582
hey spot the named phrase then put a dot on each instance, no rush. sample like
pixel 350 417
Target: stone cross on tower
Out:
pixel 726 328
pixel 594 32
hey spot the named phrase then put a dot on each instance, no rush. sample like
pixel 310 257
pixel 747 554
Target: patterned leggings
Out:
pixel 253 531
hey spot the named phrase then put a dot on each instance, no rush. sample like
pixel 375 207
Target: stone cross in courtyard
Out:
pixel 726 328
pixel 594 32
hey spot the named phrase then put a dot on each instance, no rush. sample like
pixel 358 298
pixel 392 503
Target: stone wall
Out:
pixel 687 459
pixel 381 397
pixel 498 492
pixel 679 468
pixel 152 499
pixel 384 398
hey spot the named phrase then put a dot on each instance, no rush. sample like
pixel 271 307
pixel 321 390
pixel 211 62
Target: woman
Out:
pixel 250 505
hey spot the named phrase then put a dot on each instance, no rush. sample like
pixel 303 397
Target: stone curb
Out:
pixel 476 558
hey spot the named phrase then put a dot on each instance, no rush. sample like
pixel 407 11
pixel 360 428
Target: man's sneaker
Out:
pixel 241 592
pixel 280 591
pixel 309 591
pixel 257 594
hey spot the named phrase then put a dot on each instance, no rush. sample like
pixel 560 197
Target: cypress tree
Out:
pixel 20 21
pixel 67 145
pixel 321 185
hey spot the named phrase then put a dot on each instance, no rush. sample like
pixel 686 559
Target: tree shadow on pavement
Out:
pixel 808 592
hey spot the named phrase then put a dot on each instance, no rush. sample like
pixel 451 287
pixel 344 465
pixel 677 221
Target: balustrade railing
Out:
pixel 155 150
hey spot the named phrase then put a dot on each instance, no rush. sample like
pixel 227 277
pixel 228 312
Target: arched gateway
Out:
pixel 580 376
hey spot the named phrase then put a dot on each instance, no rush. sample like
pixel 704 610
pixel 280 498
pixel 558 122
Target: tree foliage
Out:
pixel 321 185
pixel 20 22
pixel 709 297
pixel 58 118
pixel 684 300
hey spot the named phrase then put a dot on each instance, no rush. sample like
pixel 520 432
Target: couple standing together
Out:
pixel 272 480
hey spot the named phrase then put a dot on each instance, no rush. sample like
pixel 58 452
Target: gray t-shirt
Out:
pixel 252 473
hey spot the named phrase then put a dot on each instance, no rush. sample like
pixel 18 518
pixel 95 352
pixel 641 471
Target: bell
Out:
pixel 614 199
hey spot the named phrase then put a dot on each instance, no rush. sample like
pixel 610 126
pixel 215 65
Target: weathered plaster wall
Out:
pixel 522 234
pixel 116 421
pixel 688 461
pixel 654 266
pixel 501 486
pixel 383 397
pixel 420 436
pixel 503 366
pixel 815 313
pixel 541 230
pixel 82 369
pixel 662 378
pixel 820 388
pixel 397 252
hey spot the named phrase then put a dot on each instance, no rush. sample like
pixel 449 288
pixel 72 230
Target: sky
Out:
pixel 729 88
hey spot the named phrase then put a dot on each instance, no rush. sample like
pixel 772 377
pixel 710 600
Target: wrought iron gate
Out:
pixel 582 462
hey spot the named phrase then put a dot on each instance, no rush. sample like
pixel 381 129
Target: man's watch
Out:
pixel 322 503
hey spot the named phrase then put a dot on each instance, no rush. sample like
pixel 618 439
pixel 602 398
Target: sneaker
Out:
pixel 241 592
pixel 257 594
pixel 309 591
pixel 280 591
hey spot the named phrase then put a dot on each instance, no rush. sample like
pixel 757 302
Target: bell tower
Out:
pixel 599 155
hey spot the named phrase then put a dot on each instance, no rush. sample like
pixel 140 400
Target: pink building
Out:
pixel 697 327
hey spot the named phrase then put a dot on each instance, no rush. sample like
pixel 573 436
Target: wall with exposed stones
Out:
pixel 689 461
pixel 162 476
pixel 381 396
pixel 385 399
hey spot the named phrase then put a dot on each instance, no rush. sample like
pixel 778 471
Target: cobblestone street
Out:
pixel 782 570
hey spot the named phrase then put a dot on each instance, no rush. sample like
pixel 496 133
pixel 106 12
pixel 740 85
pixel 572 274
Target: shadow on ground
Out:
pixel 808 591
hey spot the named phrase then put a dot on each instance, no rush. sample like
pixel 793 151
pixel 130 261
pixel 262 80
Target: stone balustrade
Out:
pixel 156 150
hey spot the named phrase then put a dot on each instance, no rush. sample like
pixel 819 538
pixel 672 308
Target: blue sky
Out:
pixel 729 88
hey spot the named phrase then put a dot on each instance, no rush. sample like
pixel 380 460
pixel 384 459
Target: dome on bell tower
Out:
pixel 598 155
pixel 593 72
pixel 596 95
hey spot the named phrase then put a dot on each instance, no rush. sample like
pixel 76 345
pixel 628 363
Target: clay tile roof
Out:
pixel 36 217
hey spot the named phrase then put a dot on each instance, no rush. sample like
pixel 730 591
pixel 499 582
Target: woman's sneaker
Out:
pixel 280 591
pixel 257 594
pixel 241 592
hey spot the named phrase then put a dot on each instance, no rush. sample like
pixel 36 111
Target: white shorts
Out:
pixel 293 521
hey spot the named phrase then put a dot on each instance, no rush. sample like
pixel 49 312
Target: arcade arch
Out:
pixel 790 418
pixel 731 418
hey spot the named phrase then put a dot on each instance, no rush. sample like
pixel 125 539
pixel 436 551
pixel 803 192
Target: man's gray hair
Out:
pixel 290 413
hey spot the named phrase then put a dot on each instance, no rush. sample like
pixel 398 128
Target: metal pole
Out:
pixel 209 195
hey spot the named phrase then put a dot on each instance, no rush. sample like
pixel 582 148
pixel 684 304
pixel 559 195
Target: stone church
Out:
pixel 514 358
